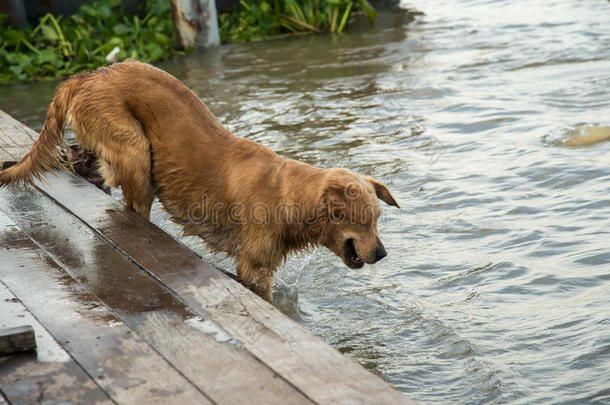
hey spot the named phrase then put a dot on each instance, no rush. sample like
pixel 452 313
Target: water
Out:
pixel 497 284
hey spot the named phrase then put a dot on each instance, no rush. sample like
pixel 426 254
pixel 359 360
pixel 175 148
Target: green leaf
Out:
pixel 104 10
pixel 48 32
pixel 162 39
pixel 47 56
pixel 87 10
pixel 152 22
pixel 159 7
pixel 369 10
pixel 22 59
pixel 344 18
pixel 116 41
pixel 121 29
pixel 154 50
pixel 265 8
pixel 12 37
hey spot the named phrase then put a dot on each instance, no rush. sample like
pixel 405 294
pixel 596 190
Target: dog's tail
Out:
pixel 46 154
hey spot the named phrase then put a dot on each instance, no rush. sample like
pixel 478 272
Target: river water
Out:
pixel 487 120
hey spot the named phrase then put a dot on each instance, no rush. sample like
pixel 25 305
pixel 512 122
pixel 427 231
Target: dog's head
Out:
pixel 352 207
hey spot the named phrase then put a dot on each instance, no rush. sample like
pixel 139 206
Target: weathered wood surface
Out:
pixel 196 347
pixel 15 139
pixel 119 293
pixel 16 340
pixel 195 23
pixel 316 369
pixel 49 374
pixel 119 361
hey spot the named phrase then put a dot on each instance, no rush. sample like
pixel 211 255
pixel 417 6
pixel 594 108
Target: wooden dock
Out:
pixel 125 314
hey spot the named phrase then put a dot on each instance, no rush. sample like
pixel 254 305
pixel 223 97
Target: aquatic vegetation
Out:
pixel 255 20
pixel 100 32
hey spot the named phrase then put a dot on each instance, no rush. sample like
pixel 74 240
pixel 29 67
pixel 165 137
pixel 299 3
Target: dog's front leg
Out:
pixel 256 278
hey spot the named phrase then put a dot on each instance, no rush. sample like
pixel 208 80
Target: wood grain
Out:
pixel 16 340
pixel 16 139
pixel 50 373
pixel 196 347
pixel 119 361
pixel 316 369
pixel 312 367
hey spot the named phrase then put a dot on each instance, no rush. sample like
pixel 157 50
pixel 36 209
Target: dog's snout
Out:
pixel 380 252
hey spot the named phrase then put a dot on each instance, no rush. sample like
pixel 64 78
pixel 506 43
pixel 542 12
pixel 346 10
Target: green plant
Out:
pixel 263 19
pixel 60 46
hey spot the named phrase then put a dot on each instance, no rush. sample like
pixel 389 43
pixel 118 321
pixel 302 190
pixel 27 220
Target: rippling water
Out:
pixel 497 283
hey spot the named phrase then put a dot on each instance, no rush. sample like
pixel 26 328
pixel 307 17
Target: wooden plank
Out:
pixel 14 313
pixel 119 361
pixel 16 340
pixel 316 369
pixel 16 139
pixel 24 380
pixel 198 348
pixel 49 374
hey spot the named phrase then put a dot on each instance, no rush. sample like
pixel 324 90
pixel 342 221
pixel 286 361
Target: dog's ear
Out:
pixel 335 201
pixel 383 193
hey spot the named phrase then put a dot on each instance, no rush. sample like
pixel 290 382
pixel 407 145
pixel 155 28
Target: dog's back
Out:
pixel 146 127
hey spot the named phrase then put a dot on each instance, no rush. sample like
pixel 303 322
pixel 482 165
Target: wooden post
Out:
pixel 195 23
pixel 16 11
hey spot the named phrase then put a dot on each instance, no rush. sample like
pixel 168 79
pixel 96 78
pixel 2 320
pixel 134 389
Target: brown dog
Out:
pixel 154 137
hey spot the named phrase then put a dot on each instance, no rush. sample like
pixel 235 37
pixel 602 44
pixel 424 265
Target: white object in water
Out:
pixel 580 136
pixel 111 57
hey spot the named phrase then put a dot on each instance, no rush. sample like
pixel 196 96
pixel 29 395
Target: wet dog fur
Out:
pixel 155 138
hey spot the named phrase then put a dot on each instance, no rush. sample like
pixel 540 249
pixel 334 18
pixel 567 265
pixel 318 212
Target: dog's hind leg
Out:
pixel 134 176
pixel 125 160
pixel 107 129
pixel 105 170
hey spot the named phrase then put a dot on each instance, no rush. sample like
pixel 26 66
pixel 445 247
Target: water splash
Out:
pixel 286 283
